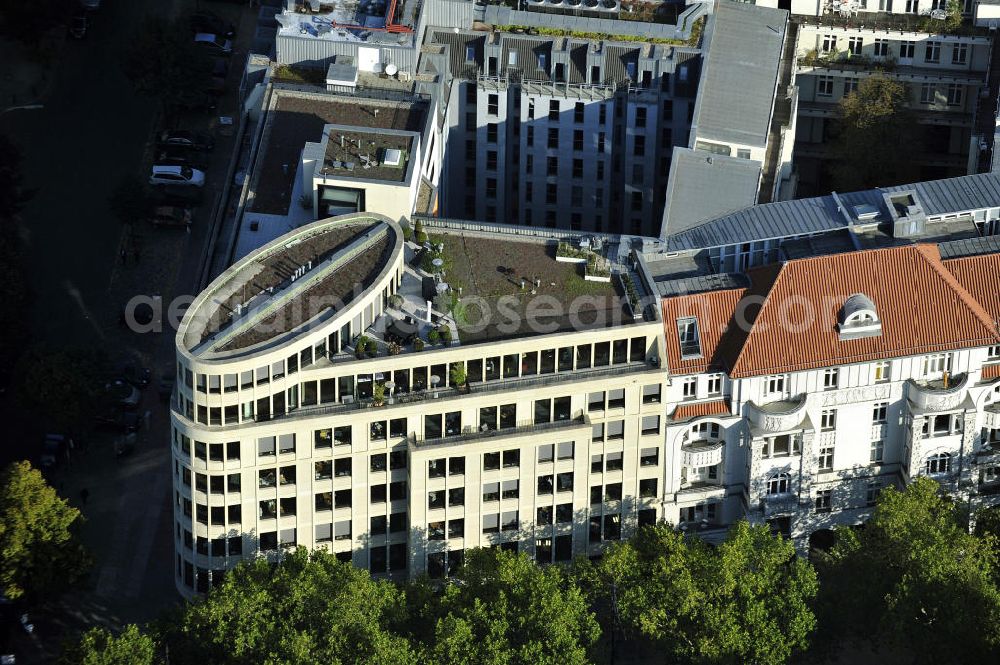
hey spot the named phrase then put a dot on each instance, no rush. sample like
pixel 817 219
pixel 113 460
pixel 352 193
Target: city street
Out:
pixel 91 131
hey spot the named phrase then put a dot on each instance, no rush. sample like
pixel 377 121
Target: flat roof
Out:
pixel 358 21
pixel 370 155
pixel 298 117
pixel 703 186
pixel 738 78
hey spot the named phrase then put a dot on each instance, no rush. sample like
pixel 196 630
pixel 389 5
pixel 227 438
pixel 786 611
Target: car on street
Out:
pixel 213 43
pixel 137 376
pixel 178 156
pixel 164 174
pixel 186 139
pixel 194 100
pixel 118 420
pixel 123 393
pixel 92 5
pixel 78 25
pixel 171 216
pixel 179 195
pixel 211 23
pixel 54 449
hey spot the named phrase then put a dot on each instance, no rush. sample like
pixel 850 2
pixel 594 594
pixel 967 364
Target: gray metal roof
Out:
pixel 701 284
pixel 740 73
pixel 457 45
pixel 956 249
pixel 704 186
pixel 788 219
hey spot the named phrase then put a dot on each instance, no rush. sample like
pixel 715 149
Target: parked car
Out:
pixel 194 100
pixel 123 393
pixel 186 139
pixel 92 5
pixel 137 376
pixel 53 450
pixel 164 174
pixel 171 216
pixel 179 195
pixel 78 25
pixel 178 156
pixel 211 23
pixel 213 43
pixel 118 420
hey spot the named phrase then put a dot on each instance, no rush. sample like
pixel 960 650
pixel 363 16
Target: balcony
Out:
pixel 937 395
pixel 777 416
pixel 702 453
pixel 469 433
pixel 991 416
pixel 779 505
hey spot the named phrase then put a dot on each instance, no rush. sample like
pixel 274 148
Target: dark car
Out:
pixel 118 420
pixel 78 25
pixel 179 196
pixel 186 139
pixel 137 376
pixel 180 156
pixel 193 100
pixel 212 23
pixel 171 216
pixel 54 449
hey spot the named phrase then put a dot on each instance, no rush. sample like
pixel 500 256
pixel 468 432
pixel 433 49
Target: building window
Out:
pixel 877 452
pixel 714 384
pixel 882 371
pixel 906 50
pixel 926 93
pixel 850 85
pixel 690 341
pixel 828 420
pixel 959 54
pixel 775 384
pixel 854 45
pixel 640 116
pixel 577 140
pixel 823 501
pixel 880 412
pixel 939 463
pixel 956 94
pixel 937 364
pixel 493 104
pixel 881 49
pixel 778 484
pixel 639 146
pixel 690 387
pixel 932 52
pixel 553 137
pixel 831 378
pixel 829 43
pixel 491 132
pixel 993 354
pixel 826 458
pixel 824 86
pixel 782 445
pixel 578 110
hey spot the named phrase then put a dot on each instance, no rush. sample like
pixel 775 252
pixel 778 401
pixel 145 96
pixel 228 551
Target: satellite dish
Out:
pixel 391 69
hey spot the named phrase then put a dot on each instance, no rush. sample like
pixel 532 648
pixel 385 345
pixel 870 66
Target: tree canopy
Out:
pixel 876 139
pixel 39 550
pixel 58 386
pixel 745 601
pixel 914 576
pixel 162 61
pixel 99 647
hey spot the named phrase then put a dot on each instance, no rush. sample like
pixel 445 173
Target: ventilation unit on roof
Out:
pixel 865 212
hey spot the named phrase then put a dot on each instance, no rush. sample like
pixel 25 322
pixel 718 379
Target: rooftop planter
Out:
pixel 632 295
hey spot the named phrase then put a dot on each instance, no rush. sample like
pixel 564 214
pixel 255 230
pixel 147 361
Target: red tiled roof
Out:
pixel 990 371
pixel 790 313
pixel 719 407
pixel 713 311
pixel 980 275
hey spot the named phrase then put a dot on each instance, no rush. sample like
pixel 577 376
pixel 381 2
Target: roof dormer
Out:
pixel 859 318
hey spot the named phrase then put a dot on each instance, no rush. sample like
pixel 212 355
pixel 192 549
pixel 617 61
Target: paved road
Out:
pixel 92 132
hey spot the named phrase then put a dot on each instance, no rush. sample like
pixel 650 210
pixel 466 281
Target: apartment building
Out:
pixel 284 433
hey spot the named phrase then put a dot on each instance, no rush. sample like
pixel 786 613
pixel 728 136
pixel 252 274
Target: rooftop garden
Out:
pixel 299 75
pixel 502 287
pixel 693 39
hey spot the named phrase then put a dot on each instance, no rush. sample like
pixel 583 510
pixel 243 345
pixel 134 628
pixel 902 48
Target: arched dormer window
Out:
pixel 859 318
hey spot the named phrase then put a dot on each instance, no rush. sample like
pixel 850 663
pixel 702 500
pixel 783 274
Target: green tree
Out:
pixel 162 62
pixel 39 551
pixel 14 287
pixel 915 577
pixel 746 601
pixel 58 387
pixel 99 647
pixel 310 609
pixel 507 609
pixel 876 142
pixel 28 21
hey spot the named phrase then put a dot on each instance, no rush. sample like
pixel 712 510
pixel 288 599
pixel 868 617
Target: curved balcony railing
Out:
pixel 702 453
pixel 936 395
pixel 777 416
